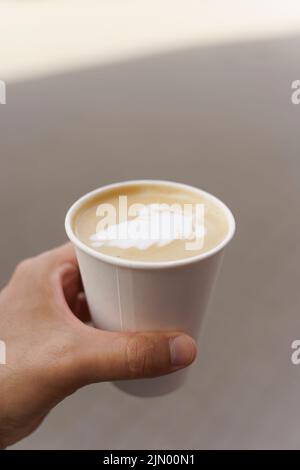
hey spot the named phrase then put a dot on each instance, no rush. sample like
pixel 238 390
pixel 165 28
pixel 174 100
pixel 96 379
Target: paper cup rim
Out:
pixel 135 264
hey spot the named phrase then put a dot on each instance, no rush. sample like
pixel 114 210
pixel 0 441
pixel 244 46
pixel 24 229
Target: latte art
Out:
pixel 155 225
pixel 151 222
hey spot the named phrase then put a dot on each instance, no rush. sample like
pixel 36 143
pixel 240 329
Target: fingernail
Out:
pixel 182 350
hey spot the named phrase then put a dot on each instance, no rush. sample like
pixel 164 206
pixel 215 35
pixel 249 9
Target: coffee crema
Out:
pixel 151 222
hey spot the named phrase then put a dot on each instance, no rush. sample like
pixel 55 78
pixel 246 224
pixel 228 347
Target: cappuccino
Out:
pixel 151 222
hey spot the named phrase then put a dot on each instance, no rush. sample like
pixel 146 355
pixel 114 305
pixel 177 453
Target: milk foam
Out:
pixel 154 225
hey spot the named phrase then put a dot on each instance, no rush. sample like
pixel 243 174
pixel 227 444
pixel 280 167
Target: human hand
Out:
pixel 51 352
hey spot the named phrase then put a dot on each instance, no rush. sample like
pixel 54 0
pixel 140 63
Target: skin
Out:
pixel 51 352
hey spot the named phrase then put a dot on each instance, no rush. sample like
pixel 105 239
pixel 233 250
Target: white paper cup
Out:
pixel 138 296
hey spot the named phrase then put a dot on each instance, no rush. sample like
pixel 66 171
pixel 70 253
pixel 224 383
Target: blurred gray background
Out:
pixel 218 117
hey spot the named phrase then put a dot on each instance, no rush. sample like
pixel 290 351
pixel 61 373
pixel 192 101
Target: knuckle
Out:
pixel 23 267
pixel 139 355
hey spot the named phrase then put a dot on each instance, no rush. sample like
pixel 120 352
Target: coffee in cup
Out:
pixel 149 260
pixel 151 223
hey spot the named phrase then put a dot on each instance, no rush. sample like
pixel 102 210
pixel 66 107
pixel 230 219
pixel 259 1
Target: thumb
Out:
pixel 115 356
